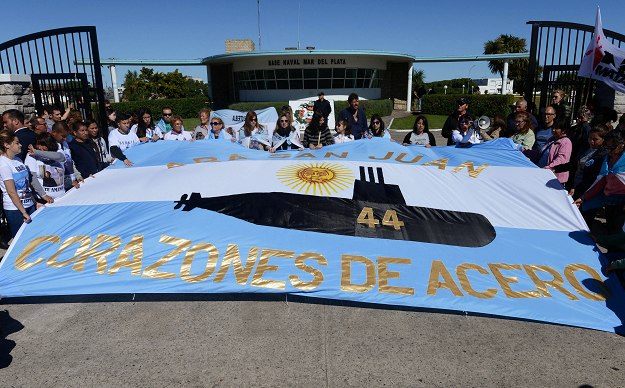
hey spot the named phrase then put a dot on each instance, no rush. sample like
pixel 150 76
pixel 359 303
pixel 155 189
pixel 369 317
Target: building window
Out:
pixel 315 79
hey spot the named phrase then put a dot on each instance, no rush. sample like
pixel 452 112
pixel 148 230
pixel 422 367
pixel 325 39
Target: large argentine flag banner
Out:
pixel 477 229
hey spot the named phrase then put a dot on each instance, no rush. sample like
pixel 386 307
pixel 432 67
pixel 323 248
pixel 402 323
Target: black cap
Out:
pixel 320 94
pixel 462 101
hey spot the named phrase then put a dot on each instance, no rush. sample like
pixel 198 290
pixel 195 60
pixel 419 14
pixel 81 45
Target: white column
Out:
pixel 504 80
pixel 114 81
pixel 208 81
pixel 409 98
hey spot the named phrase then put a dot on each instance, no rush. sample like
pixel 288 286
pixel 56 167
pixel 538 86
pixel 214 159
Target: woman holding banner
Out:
pixel 317 133
pixel 253 135
pixel 285 136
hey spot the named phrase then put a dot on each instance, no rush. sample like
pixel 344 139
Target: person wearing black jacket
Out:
pixel 83 153
pixel 14 121
pixel 323 105
pixel 451 124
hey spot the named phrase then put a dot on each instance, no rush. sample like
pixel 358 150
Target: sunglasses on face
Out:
pixel 466 122
pixel 253 119
pixel 166 114
pixel 215 123
pixel 519 122
pixel 610 148
pixel 284 121
pixel 376 123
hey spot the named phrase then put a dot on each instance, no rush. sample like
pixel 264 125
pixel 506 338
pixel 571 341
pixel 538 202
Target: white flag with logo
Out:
pixel 603 61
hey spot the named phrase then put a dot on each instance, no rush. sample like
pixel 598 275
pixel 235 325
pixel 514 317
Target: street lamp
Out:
pixel 445 89
pixel 469 79
pixel 462 89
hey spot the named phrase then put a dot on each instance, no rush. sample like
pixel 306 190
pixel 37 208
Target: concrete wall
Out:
pixel 15 93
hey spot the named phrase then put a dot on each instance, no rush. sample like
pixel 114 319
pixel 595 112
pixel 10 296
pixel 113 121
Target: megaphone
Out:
pixel 483 123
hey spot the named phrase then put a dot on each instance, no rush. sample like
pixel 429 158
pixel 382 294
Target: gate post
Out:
pixel 15 93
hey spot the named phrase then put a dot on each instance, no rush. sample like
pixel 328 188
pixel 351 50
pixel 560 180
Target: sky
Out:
pixel 184 29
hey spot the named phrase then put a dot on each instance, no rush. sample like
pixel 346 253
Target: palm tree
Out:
pixel 131 83
pixel 418 78
pixel 517 70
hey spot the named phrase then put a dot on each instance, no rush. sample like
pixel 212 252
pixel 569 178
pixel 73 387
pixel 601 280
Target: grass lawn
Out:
pixel 434 121
pixel 191 123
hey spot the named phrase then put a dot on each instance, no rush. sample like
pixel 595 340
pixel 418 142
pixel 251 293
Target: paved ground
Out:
pixel 229 342
pixel 254 340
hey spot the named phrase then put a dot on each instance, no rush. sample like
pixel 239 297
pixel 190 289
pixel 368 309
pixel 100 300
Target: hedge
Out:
pixel 381 107
pixel 489 105
pixel 184 107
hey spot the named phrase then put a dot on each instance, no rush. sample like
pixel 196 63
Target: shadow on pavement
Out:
pixel 8 325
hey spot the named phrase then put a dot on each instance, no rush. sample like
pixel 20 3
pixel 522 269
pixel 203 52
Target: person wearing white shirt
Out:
pixel 121 139
pixel 343 132
pixel 177 130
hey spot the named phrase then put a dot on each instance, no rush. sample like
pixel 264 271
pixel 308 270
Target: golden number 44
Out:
pixel 390 218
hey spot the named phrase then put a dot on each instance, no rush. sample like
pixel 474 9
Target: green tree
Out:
pixel 518 68
pixel 196 88
pixel 418 78
pixel 131 85
pixel 174 85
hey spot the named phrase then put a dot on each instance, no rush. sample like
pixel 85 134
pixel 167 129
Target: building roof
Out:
pixel 388 55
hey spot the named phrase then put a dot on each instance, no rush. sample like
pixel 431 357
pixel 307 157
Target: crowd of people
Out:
pixel 45 156
pixel 586 158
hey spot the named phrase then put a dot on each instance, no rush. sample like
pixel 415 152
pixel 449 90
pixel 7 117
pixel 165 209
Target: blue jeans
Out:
pixel 16 219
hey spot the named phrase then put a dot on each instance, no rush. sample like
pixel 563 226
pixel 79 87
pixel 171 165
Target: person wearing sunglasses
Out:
pixel 164 123
pixel 376 128
pixel 524 131
pixel 202 131
pixel 555 152
pixel 218 132
pixel 466 133
pixel 608 190
pixel 252 134
pixel 451 124
pixel 562 109
pixel 285 136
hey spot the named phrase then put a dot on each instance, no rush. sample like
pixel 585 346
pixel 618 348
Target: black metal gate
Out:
pixel 558 48
pixel 50 57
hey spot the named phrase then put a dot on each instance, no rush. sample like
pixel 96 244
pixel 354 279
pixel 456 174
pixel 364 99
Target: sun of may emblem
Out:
pixel 320 178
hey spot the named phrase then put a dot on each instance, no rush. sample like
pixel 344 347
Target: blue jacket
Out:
pixel 357 127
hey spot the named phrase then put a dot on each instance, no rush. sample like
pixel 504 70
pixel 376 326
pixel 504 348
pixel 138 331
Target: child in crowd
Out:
pixel 121 139
pixel 343 131
pixel 177 132
pixel 466 134
pixel 376 128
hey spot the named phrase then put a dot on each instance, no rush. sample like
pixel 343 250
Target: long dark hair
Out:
pixel 380 132
pixel 425 124
pixel 314 125
pixel 141 127
pixel 47 140
pixel 96 146
pixel 348 126
pixel 247 126
pixel 465 117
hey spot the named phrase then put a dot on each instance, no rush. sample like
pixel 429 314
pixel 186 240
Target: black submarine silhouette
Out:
pixel 365 215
